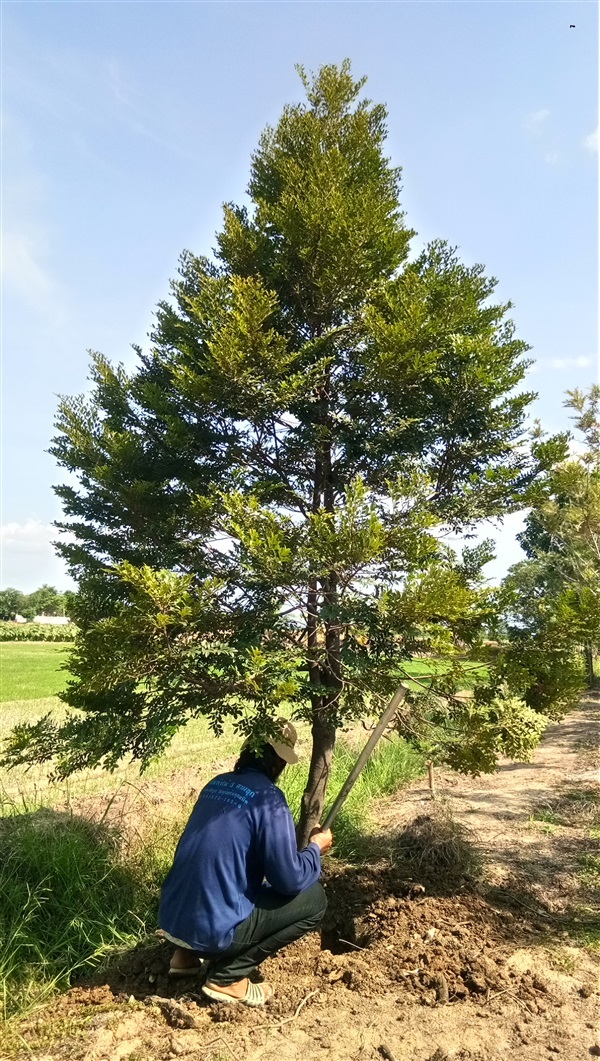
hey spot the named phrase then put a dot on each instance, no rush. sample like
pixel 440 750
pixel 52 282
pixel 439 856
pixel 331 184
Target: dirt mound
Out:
pixel 375 938
pixel 385 956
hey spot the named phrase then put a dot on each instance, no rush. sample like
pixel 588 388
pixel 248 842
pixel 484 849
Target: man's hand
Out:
pixel 323 839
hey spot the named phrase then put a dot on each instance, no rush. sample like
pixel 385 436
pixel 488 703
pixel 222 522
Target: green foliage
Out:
pixel 37 632
pixel 43 601
pixel 12 602
pixel 394 764
pixel 469 731
pixel 259 517
pixel 552 600
pixel 66 898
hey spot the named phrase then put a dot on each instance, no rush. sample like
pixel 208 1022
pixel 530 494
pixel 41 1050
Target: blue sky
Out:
pixel 127 124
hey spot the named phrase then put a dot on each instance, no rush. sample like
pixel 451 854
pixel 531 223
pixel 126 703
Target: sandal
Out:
pixel 255 995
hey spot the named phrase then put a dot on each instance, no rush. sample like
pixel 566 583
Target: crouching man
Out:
pixel 215 903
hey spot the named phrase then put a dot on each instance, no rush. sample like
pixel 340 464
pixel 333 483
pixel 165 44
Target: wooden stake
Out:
pixel 431 780
pixel 366 754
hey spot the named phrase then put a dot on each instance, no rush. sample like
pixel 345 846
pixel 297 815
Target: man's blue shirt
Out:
pixel 240 832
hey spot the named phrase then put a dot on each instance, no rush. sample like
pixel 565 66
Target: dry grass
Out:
pixel 574 808
pixel 439 851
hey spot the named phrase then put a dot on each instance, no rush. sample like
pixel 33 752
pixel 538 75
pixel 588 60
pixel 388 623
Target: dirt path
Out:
pixel 473 973
pixel 529 820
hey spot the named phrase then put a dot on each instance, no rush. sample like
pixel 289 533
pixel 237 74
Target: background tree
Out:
pixel 552 599
pixel 44 601
pixel 260 517
pixel 12 602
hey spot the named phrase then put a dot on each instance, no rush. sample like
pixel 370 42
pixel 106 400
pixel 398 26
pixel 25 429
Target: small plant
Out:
pixel 563 959
pixel 545 820
pixel 589 872
pixel 578 808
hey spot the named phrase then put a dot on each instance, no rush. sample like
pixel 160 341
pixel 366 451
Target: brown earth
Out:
pixel 420 956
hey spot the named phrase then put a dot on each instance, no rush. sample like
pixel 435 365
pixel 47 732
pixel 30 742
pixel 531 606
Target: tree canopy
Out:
pixel 43 601
pixel 261 506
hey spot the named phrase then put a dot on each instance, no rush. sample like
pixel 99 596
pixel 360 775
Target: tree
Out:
pixel 12 602
pixel 44 601
pixel 553 597
pixel 260 517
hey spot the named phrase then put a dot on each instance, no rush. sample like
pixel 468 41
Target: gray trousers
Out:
pixel 275 921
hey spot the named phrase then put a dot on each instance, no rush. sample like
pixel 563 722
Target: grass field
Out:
pixel 35 670
pixel 31 670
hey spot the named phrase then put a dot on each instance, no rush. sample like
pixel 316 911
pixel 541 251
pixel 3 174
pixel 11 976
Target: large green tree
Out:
pixel 261 506
pixel 46 600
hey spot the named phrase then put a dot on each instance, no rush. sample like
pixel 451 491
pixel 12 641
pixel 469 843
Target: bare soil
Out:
pixel 410 966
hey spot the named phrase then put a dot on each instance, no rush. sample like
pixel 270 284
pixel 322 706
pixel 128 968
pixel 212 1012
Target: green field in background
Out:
pixel 32 670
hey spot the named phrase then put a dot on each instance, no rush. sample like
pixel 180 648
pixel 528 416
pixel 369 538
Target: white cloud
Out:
pixel 28 558
pixel 591 140
pixel 150 119
pixel 21 267
pixel 26 276
pixel 536 121
pixel 559 363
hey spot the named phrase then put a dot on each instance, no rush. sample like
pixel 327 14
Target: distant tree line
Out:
pixel 43 601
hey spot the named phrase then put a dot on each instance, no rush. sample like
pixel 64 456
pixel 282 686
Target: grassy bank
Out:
pixel 67 897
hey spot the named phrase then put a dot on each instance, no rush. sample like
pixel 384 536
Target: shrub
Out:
pixel 37 632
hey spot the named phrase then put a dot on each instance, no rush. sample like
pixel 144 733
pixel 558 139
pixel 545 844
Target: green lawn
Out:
pixel 31 670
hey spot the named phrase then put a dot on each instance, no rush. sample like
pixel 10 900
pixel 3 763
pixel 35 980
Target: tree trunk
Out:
pixel 589 665
pixel 325 677
pixel 323 742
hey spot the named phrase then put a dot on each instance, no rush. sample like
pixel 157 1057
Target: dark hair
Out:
pixel 263 758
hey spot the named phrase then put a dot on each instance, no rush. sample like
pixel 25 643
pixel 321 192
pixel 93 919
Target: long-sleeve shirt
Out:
pixel 240 832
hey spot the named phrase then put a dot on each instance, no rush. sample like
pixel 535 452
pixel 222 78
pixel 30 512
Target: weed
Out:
pixel 575 808
pixel 589 936
pixel 544 820
pixel 589 872
pixel 580 806
pixel 563 960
